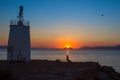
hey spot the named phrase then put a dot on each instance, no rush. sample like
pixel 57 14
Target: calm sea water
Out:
pixel 104 57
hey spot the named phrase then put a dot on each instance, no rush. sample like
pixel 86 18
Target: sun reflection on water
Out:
pixel 68 53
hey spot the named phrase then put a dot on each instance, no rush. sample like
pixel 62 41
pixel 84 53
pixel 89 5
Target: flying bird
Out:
pixel 102 14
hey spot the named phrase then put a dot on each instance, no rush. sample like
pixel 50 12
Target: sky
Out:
pixel 58 23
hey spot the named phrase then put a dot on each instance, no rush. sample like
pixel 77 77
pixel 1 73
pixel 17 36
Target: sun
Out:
pixel 67 46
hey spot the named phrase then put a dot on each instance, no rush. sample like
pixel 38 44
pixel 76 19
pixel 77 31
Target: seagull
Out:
pixel 102 15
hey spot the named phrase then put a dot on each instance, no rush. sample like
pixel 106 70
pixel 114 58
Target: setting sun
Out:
pixel 67 46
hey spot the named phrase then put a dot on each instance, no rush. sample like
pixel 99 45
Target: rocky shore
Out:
pixel 56 70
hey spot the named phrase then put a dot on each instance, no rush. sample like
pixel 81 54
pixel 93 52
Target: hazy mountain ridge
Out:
pixel 3 47
pixel 101 48
pixel 117 47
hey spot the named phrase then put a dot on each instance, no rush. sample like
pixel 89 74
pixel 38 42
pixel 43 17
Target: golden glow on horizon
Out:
pixel 62 39
pixel 61 35
pixel 62 42
pixel 67 46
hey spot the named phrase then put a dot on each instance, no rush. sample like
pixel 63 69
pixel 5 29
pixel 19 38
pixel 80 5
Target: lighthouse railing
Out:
pixel 15 22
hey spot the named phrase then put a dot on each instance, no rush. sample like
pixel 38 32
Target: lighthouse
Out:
pixel 19 39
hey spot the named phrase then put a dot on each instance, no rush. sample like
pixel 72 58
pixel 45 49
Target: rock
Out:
pixel 85 74
pixel 57 60
pixel 6 75
pixel 102 76
pixel 107 69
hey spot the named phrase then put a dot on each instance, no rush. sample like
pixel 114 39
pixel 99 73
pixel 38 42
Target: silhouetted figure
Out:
pixel 67 55
pixel 67 58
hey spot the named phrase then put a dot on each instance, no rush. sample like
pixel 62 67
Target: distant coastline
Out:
pixel 117 47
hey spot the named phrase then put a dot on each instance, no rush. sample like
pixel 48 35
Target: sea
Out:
pixel 104 57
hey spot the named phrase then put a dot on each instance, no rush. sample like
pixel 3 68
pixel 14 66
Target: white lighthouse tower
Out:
pixel 19 39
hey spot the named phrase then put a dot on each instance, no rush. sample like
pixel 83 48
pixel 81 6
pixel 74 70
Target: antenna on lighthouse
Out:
pixel 20 16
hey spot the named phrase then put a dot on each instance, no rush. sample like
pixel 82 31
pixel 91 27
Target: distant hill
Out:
pixel 3 47
pixel 46 48
pixel 69 48
pixel 101 48
pixel 82 48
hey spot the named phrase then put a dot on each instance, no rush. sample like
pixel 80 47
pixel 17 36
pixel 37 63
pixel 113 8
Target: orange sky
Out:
pixel 62 42
pixel 59 23
pixel 60 38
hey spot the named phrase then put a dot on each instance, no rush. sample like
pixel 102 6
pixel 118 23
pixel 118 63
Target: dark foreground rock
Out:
pixel 56 70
